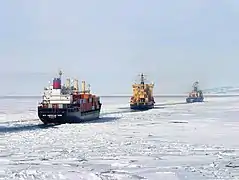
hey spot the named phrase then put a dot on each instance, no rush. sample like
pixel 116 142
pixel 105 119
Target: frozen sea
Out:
pixel 170 142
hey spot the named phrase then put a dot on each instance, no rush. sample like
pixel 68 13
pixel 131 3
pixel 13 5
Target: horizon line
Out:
pixel 122 96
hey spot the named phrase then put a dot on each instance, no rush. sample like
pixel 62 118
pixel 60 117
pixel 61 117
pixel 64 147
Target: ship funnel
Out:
pixel 57 83
pixel 83 86
pixel 75 85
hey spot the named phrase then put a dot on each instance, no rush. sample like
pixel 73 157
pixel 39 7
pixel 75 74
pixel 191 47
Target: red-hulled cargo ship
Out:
pixel 66 104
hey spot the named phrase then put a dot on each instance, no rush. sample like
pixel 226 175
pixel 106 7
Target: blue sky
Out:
pixel 109 42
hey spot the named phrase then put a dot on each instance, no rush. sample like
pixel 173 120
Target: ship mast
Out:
pixel 60 74
pixel 88 88
pixel 142 79
pixel 195 86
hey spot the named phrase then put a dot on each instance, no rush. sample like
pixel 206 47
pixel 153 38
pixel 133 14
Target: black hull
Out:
pixel 194 99
pixel 141 107
pixel 63 116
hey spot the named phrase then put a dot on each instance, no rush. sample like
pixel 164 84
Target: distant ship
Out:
pixel 196 95
pixel 142 98
pixel 66 104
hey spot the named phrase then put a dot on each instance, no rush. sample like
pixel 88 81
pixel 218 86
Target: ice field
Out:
pixel 171 142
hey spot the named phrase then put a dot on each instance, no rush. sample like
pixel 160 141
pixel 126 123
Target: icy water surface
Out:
pixel 170 142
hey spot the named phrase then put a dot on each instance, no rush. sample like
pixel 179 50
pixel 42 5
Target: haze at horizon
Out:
pixel 108 43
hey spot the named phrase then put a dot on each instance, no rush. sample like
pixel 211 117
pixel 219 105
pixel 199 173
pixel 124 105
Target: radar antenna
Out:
pixel 60 74
pixel 195 86
pixel 142 78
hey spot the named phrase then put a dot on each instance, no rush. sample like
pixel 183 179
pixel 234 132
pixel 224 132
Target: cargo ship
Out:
pixel 142 98
pixel 62 104
pixel 195 95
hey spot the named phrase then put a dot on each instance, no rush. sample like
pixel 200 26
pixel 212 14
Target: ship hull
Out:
pixel 141 107
pixel 194 99
pixel 62 116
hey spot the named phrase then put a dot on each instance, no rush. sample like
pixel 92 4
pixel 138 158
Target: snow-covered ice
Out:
pixel 170 142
